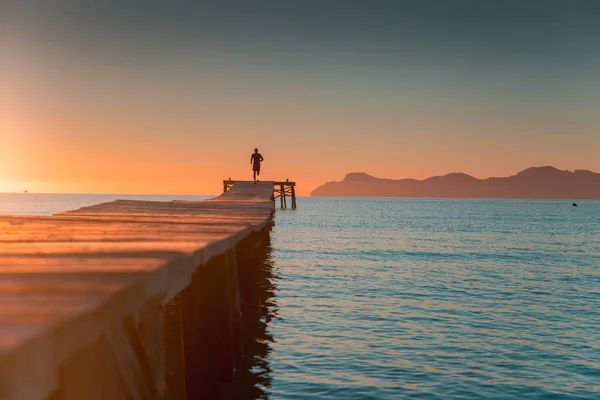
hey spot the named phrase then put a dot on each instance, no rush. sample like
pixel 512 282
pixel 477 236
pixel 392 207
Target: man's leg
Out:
pixel 254 175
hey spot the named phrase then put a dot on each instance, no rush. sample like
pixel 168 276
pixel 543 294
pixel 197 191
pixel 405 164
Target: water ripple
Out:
pixel 424 299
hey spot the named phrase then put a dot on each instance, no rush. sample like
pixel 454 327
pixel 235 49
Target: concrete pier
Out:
pixel 129 299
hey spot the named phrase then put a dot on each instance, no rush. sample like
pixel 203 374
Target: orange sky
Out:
pixel 49 154
pixel 179 117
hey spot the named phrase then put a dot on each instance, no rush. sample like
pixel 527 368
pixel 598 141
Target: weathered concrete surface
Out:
pixel 92 283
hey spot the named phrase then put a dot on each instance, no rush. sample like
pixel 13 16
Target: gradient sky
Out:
pixel 171 97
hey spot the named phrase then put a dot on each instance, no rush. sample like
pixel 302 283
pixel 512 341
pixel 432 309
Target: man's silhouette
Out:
pixel 255 160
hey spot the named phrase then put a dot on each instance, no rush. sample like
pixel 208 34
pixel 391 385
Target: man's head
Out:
pixel 256 150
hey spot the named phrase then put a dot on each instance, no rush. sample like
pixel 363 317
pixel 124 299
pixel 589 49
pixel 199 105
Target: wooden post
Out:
pixel 293 197
pixel 281 195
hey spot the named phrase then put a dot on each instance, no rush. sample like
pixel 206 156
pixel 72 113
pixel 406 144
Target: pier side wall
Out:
pixel 186 348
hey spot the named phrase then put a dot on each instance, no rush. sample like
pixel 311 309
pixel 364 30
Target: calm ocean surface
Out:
pixel 422 298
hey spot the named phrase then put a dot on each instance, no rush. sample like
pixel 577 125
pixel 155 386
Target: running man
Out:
pixel 255 160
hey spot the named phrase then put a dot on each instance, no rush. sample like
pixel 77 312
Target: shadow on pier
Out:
pixel 217 341
pixel 259 307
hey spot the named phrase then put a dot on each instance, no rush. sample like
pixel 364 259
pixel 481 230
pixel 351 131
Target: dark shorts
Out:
pixel 256 167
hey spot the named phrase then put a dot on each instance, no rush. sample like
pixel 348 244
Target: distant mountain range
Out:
pixel 532 183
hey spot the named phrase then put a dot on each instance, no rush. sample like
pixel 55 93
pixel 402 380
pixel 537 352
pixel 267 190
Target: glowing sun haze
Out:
pixel 166 97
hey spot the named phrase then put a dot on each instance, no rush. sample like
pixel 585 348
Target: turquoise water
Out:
pixel 420 298
pixel 424 299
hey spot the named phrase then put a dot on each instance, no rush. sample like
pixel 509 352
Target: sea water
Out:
pixel 428 298
pixel 420 298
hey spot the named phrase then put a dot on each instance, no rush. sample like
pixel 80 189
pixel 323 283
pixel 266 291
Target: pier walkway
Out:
pixel 127 299
pixel 282 190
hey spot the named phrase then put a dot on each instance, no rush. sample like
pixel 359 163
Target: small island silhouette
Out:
pixel 532 183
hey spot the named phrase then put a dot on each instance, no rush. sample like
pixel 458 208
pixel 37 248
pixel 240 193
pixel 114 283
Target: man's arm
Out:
pixel 251 159
pixel 261 158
